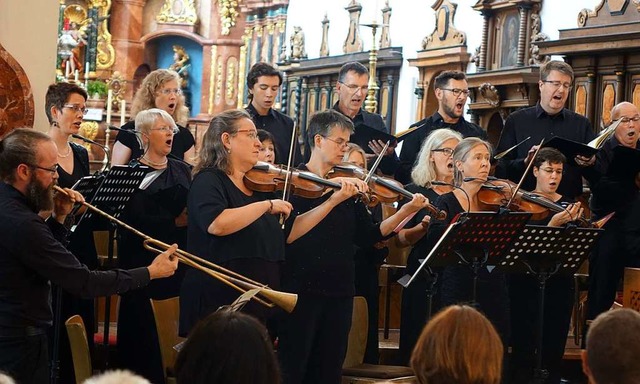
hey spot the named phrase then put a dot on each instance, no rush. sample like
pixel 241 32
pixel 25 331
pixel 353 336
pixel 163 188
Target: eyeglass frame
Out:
pixel 253 133
pixel 457 91
pixel 168 91
pixel 551 171
pixel 627 120
pixel 53 170
pixel 76 108
pixel 342 145
pixel 444 150
pixel 558 84
pixel 354 88
pixel 174 130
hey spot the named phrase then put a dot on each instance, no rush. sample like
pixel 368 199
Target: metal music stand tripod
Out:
pixel 544 251
pixel 111 195
pixel 473 239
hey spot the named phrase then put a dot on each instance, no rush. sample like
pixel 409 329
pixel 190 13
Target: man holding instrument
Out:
pixel 32 256
pixel 451 90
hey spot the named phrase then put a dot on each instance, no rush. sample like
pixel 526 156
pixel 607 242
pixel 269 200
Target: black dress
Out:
pixel 414 298
pixel 152 211
pixel 82 245
pixel 255 251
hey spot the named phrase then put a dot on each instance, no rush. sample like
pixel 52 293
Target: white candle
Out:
pixel 76 76
pixel 67 69
pixel 109 101
pixel 86 70
pixel 123 107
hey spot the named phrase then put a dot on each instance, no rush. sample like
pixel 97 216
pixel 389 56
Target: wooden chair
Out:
pixel 353 370
pixel 166 314
pixel 79 348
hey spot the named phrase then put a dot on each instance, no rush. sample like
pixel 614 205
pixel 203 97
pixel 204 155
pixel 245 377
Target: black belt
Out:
pixel 22 331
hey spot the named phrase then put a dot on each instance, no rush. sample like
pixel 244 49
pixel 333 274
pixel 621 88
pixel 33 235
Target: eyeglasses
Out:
pixel 558 84
pixel 252 133
pixel 53 169
pixel 627 120
pixel 341 143
pixel 457 91
pixel 549 170
pixel 76 108
pixel 447 151
pixel 166 129
pixel 169 91
pixel 354 88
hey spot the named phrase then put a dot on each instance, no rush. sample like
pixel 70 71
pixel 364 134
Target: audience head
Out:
pixel 268 146
pixel 613 347
pixel 471 158
pixel 223 128
pixel 434 162
pixel 161 89
pixel 65 105
pixel 628 131
pixel 117 377
pixel 227 347
pixel 458 345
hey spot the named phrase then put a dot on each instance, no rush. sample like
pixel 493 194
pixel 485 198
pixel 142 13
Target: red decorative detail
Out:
pixel 16 98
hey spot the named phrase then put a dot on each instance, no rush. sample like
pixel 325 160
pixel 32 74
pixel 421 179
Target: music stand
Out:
pixel 544 251
pixel 474 239
pixel 111 193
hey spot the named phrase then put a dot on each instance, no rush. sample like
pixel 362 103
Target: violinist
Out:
pixel 435 162
pixel 471 161
pixel 319 264
pixel 613 192
pixel 548 169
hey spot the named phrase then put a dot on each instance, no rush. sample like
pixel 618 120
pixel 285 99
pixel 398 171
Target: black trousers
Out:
pixel 314 338
pixel 25 358
pixel 558 303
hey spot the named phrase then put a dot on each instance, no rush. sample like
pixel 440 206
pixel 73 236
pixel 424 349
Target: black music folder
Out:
pixel 625 163
pixel 570 148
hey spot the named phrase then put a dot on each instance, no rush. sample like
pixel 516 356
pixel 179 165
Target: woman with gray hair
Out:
pixel 160 89
pixel 471 162
pixel 434 163
pixel 158 209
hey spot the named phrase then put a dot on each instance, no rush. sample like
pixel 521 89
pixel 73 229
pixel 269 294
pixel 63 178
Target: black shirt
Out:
pixel 281 127
pixel 321 261
pixel 31 256
pixel 412 144
pixel 388 164
pixel 535 122
pixel 212 191
pixel 182 141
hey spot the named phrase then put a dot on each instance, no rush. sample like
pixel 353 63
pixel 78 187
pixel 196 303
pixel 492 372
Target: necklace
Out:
pixel 68 152
pixel 154 164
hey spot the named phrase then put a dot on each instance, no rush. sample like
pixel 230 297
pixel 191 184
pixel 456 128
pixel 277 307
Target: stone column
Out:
pixel 126 30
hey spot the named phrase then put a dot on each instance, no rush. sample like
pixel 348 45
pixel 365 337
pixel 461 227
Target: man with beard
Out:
pixel 31 255
pixel 452 91
pixel 613 192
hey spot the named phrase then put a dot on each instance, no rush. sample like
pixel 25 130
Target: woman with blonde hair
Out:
pixel 159 89
pixel 458 345
pixel 434 163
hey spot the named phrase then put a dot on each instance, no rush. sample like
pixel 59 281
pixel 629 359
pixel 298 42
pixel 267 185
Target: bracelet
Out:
pixel 270 206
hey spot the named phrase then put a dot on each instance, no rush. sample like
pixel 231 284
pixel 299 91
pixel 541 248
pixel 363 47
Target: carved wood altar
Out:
pixel 16 98
pixel 603 51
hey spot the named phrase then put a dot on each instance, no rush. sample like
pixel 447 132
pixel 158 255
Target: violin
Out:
pixel 381 189
pixel 498 193
pixel 265 177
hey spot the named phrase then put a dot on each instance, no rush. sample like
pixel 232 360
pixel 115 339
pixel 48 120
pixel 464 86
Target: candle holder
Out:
pixel 371 103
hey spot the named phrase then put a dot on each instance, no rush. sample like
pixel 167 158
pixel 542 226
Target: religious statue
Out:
pixel 297 44
pixel 70 44
pixel 181 65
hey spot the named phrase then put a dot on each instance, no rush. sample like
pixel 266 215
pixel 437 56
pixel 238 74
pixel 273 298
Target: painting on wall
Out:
pixel 510 28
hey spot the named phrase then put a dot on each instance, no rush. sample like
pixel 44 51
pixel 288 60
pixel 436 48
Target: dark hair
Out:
pixel 261 69
pixel 213 152
pixel 352 66
pixel 57 96
pixel 552 155
pixel 19 147
pixel 442 80
pixel 555 65
pixel 322 122
pixel 227 347
pixel 613 345
pixel 265 135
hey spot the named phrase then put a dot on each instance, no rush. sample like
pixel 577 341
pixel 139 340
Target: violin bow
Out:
pixel 515 191
pixel 376 163
pixel 287 178
pixel 504 153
